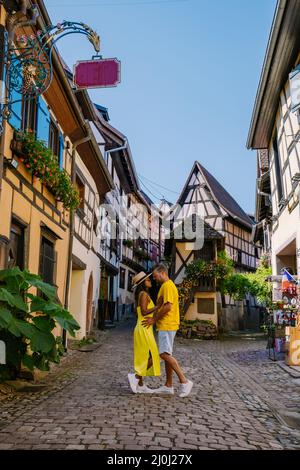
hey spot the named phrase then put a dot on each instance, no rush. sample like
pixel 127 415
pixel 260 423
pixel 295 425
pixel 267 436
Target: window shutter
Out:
pixel 15 119
pixel 43 121
pixel 61 150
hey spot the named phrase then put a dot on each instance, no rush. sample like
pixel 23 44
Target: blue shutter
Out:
pixel 16 107
pixel 43 121
pixel 15 118
pixel 61 150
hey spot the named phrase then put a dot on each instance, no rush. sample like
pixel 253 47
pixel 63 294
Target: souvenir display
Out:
pixel 284 318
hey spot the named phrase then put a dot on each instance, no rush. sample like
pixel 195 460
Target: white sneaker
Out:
pixel 186 389
pixel 164 389
pixel 143 389
pixel 133 382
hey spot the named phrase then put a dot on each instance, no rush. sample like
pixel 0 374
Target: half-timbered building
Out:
pixel 137 245
pixel 274 132
pixel 225 226
pixel 261 233
pixel 37 231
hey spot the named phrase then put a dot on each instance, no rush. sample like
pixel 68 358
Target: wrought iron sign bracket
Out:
pixel 28 64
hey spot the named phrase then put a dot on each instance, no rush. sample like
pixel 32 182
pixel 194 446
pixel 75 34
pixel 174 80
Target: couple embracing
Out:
pixel 165 315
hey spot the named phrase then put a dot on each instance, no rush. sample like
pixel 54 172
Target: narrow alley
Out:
pixel 238 402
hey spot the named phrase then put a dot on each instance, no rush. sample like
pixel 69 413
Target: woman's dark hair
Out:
pixel 140 288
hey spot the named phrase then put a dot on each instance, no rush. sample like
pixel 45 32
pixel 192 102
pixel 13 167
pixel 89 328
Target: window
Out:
pixel 112 171
pixel 29 117
pixel 47 261
pixel 129 284
pixel 43 121
pixel 207 252
pixel 24 113
pixel 16 247
pixel 206 306
pixel 277 170
pixel 34 114
pixel 15 118
pixel 95 223
pixel 54 138
pixel 56 143
pixel 81 189
pixel 122 278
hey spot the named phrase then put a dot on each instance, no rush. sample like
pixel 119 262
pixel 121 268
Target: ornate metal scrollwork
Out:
pixel 28 62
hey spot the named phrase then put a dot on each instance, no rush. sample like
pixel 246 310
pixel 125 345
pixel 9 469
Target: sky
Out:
pixel 190 71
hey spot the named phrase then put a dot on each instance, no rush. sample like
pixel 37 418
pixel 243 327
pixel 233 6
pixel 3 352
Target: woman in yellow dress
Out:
pixel 146 356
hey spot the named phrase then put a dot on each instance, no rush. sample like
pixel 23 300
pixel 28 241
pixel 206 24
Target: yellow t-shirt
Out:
pixel 169 293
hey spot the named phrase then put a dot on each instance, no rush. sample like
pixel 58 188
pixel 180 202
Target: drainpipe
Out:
pixel 118 149
pixel 78 142
pixel 13 22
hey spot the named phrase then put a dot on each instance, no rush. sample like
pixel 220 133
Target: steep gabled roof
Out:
pixel 145 196
pixel 220 195
pixel 123 160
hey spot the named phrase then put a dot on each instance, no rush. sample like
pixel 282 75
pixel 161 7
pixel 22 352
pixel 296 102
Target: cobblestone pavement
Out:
pixel 235 403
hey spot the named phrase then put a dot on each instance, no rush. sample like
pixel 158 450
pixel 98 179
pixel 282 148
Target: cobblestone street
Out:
pixel 236 403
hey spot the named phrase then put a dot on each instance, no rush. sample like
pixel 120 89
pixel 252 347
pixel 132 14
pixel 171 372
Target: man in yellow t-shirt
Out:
pixel 167 320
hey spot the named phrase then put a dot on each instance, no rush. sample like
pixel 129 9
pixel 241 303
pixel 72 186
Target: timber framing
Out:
pixel 226 225
pixel 63 101
pixel 122 159
pixel 280 59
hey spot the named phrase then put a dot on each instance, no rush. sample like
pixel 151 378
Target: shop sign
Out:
pixel 100 73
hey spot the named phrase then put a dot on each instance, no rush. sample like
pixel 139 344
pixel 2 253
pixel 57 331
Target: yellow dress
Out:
pixel 144 345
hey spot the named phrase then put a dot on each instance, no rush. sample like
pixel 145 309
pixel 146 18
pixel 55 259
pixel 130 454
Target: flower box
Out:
pixel 39 159
pixel 16 147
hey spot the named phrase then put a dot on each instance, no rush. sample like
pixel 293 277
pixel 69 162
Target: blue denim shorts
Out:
pixel 166 341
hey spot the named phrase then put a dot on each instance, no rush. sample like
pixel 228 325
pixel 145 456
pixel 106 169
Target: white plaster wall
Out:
pixel 80 278
pixel 192 312
pixel 287 226
pixel 79 284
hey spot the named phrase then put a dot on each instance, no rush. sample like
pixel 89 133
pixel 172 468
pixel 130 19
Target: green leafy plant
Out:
pixel 238 285
pixel 128 243
pixel 27 322
pixel 218 269
pixel 142 255
pixel 85 342
pixel 39 159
